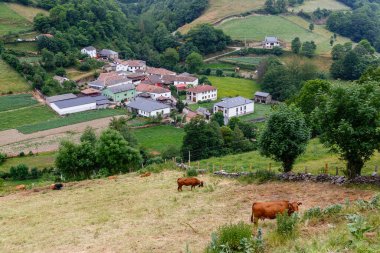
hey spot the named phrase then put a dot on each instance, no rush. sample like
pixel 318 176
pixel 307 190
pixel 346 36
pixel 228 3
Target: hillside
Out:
pixel 134 214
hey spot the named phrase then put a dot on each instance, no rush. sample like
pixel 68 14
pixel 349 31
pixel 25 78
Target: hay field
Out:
pixel 136 214
pixel 312 5
pixel 219 9
pixel 11 21
pixel 27 12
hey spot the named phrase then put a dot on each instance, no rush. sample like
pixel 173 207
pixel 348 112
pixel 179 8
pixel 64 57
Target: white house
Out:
pixel 188 80
pixel 90 51
pixel 131 65
pixel 271 42
pixel 155 92
pixel 79 104
pixel 148 108
pixel 201 93
pixel 234 107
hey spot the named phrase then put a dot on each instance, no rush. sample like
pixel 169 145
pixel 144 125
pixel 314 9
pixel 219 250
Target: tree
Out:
pixel 308 48
pixel 239 142
pixel 170 152
pixel 296 45
pixel 89 136
pixel 372 74
pixel 311 27
pixel 219 72
pixel 202 140
pixel 170 58
pixel 194 62
pixel 350 122
pixel 48 59
pixel 285 136
pixel 114 154
pixel 180 105
pixel 218 117
pixel 120 125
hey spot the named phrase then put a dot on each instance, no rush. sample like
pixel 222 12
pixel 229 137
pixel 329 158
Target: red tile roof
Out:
pixel 142 87
pixel 159 71
pixel 201 88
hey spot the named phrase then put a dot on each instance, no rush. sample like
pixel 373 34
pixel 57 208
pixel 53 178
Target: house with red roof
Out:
pixel 155 92
pixel 201 93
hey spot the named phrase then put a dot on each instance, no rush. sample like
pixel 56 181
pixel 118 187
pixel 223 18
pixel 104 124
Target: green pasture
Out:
pixel 11 21
pixel 10 80
pixel 12 102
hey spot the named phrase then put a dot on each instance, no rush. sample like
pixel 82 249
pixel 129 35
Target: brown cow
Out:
pixel 21 187
pixel 189 181
pixel 56 186
pixel 146 174
pixel 269 210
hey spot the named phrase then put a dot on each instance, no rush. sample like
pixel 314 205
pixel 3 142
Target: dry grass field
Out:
pixel 26 11
pixel 136 214
pixel 312 5
pixel 219 9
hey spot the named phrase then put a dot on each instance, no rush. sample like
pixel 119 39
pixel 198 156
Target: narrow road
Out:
pixel 221 55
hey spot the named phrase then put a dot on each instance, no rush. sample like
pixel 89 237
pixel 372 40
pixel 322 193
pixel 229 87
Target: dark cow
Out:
pixel 56 186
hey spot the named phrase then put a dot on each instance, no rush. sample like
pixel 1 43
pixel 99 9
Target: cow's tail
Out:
pixel 252 212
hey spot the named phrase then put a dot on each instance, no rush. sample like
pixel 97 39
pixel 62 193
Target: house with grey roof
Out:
pixel 120 93
pixel 271 42
pixel 148 107
pixel 263 97
pixel 108 54
pixel 90 51
pixel 79 104
pixel 234 107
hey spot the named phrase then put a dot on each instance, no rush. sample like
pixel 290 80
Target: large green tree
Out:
pixel 194 62
pixel 285 136
pixel 350 121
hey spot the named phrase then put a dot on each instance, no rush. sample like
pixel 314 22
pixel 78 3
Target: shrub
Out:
pixel 30 153
pixel 3 157
pixel 171 152
pixel 20 172
pixel 154 160
pixel 1 182
pixel 230 236
pixel 332 210
pixel 35 173
pixel 260 176
pixel 286 225
pixel 191 173
pixel 315 212
pixel 21 154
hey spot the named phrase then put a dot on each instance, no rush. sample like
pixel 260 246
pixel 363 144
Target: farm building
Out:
pixel 271 42
pixel 234 107
pixel 108 54
pixel 154 91
pixel 120 93
pixel 90 51
pixel 109 80
pixel 263 97
pixel 57 98
pixel 79 104
pixel 131 65
pixel 201 93
pixel 148 107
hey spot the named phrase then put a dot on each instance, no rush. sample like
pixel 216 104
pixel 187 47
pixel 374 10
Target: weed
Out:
pixel 191 173
pixel 287 225
pixel 313 213
pixel 357 226
pixel 332 210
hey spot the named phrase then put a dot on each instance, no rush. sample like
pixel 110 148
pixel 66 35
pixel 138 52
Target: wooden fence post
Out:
pixel 336 171
pixel 198 165
pixel 213 168
pixel 326 168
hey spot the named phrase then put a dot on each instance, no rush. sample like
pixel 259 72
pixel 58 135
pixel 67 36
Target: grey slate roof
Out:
pixel 121 88
pixel 60 97
pixel 233 102
pixel 101 100
pixel 262 94
pixel 107 52
pixel 74 102
pixel 271 39
pixel 147 105
pixel 90 48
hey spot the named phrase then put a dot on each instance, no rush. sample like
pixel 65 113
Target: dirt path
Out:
pixel 12 142
pixel 221 55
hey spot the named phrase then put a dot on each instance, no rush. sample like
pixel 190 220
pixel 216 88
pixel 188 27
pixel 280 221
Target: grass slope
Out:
pixel 219 9
pixel 71 119
pixel 10 80
pixel 98 215
pixel 11 21
pixel 40 161
pixel 27 12
pixel 23 46
pixel 231 87
pixel 25 116
pixel 159 138
pixel 243 60
pixel 12 102
pixel 312 5
pixel 284 27
pixel 314 159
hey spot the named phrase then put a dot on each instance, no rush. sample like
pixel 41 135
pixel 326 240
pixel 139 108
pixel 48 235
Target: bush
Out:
pixel 260 176
pixel 315 212
pixel 171 152
pixel 154 160
pixel 1 182
pixel 35 173
pixel 286 225
pixel 20 172
pixel 332 210
pixel 191 173
pixel 3 157
pixel 21 154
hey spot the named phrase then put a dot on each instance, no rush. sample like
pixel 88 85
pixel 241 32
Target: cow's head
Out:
pixel 293 207
pixel 201 184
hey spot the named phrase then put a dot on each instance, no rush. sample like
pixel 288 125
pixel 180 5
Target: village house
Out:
pixel 155 92
pixel 78 104
pixel 201 93
pixel 204 112
pixel 234 107
pixel 131 65
pixel 120 93
pixel 263 97
pixel 90 51
pixel 148 108
pixel 271 42
pixel 159 71
pixel 109 54
pixel 109 80
pixel 185 79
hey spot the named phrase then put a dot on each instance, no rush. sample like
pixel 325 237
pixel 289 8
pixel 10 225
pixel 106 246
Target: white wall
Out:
pixel 237 111
pixel 165 111
pixel 80 108
pixel 157 95
pixel 195 83
pixel 92 53
pixel 121 67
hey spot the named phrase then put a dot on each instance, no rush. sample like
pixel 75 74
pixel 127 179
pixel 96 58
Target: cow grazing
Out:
pixel 189 181
pixel 57 186
pixel 21 187
pixel 112 178
pixel 146 174
pixel 269 210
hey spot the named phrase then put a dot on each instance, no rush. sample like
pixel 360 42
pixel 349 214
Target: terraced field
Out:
pixel 11 21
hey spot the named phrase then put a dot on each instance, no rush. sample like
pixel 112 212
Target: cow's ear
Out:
pixel 299 203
